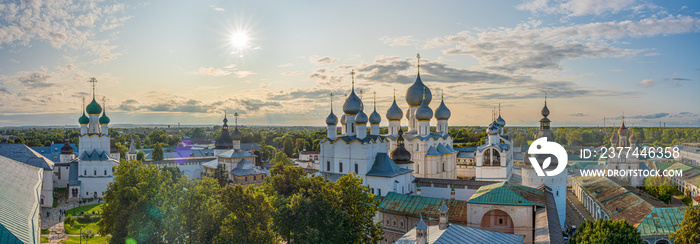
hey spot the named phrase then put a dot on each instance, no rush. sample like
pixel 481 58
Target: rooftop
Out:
pixel 506 193
pixel 19 201
pixel 461 234
pixel 23 154
pixel 427 207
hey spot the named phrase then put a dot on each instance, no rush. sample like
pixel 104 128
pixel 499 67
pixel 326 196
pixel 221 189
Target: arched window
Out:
pixel 85 172
pixel 401 223
pixel 95 172
pixel 394 222
pixel 105 172
pixel 340 167
pixel 355 168
pixel 328 165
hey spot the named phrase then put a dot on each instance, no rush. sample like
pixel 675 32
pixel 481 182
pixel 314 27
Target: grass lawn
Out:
pixel 85 208
pixel 45 231
pixel 75 228
pixel 94 240
pixel 44 239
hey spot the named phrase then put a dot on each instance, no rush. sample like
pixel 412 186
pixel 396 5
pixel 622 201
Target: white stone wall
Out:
pixel 47 188
pixel 557 183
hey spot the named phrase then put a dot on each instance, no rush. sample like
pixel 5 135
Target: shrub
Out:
pixel 86 218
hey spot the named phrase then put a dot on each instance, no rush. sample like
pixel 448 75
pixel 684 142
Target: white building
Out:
pixel 556 183
pixel 354 151
pixel 92 171
pixel 494 159
pixel 628 161
pixel 431 152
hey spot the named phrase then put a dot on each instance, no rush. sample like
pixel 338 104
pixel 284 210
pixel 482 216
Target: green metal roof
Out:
pixel 416 206
pixel 505 193
pixel 661 221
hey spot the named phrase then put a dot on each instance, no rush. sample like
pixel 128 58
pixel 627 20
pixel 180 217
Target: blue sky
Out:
pixel 166 62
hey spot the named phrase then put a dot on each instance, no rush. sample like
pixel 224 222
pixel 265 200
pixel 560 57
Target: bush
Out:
pixel 86 218
pixel 69 221
pixel 687 200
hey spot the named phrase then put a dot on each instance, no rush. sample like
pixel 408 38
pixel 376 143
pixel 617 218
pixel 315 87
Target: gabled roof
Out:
pixel 23 154
pixel 245 167
pixel 506 193
pixel 19 201
pixel 662 221
pixel 349 139
pixel 442 149
pixel 432 152
pixel 428 207
pixel 385 167
pixel 236 153
pixel 94 156
pixel 458 234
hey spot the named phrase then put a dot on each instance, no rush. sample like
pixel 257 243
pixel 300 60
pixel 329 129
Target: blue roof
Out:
pixel 236 153
pixel 465 155
pixel 23 154
pixel 245 167
pixel 385 167
pixel 368 138
pixel 73 174
pixel 442 149
pixel 458 234
pixel 54 151
pixel 432 152
pixel 465 149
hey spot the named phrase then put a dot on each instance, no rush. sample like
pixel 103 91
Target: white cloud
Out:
pixel 529 48
pixel 583 7
pixel 285 65
pixel 646 83
pixel 321 60
pixel 291 73
pixel 398 40
pixel 210 72
pixel 243 73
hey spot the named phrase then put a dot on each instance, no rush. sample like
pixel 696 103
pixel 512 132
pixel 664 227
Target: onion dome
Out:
pixel 623 130
pixel 66 149
pixel 332 119
pixel 424 112
pixel 375 118
pixel 501 122
pixel 83 120
pixel 236 135
pixel 224 141
pixel 104 119
pixel 414 94
pixel 400 154
pixel 394 112
pixel 353 104
pixel 633 138
pixel 613 139
pixel 361 118
pixel 93 108
pixel 442 112
pixel 493 128
pixel 342 119
pixel 545 110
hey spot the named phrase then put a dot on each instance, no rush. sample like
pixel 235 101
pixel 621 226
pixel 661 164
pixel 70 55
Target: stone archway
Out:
pixel 497 220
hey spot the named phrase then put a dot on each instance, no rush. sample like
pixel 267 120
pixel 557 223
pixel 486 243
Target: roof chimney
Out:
pixel 443 216
pixel 421 229
pixel 452 193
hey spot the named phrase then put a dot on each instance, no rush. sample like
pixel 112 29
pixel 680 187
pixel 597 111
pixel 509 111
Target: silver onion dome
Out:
pixel 375 118
pixel 414 94
pixel 342 119
pixel 353 104
pixel 332 119
pixel 442 112
pixel 501 122
pixel 493 128
pixel 424 112
pixel 545 110
pixel 361 118
pixel 394 112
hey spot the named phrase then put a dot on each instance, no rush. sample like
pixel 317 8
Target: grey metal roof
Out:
pixel 236 153
pixel 442 149
pixel 432 152
pixel 459 234
pixel 211 164
pixel 22 153
pixel 53 151
pixel 465 149
pixel 385 167
pixel 20 188
pixel 465 155
pixel 245 167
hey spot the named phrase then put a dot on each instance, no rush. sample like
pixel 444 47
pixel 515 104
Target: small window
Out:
pixel 394 222
pixel 255 177
pixel 355 168
pixel 340 168
pixel 443 167
pixel 401 223
pixel 85 172
pixel 380 191
pixel 328 165
pixel 500 221
pixel 105 172
pixel 246 178
pixel 387 221
pixel 95 173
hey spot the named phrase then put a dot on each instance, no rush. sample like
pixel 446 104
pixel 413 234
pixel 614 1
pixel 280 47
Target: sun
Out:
pixel 239 40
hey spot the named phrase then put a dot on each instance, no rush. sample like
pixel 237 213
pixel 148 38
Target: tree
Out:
pixel 157 152
pixel 155 137
pixel 300 145
pixel 249 218
pixel 140 156
pixel 87 235
pixel 221 175
pixel 688 233
pixel 281 157
pixel 313 209
pixel 606 231
pixel 288 146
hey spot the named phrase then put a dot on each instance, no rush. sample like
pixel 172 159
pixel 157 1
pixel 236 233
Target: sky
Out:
pixel 277 62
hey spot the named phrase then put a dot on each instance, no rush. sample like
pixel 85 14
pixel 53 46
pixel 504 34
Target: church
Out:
pixel 92 169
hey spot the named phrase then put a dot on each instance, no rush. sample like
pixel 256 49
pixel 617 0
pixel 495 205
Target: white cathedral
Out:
pixel 92 169
pixel 416 153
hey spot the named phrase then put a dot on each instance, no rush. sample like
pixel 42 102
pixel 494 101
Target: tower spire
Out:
pixel 394 94
pixel 352 73
pixel 93 81
pixel 104 104
pixel 418 58
pixel 331 102
pixel 83 108
pixel 375 100
pixel 499 109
